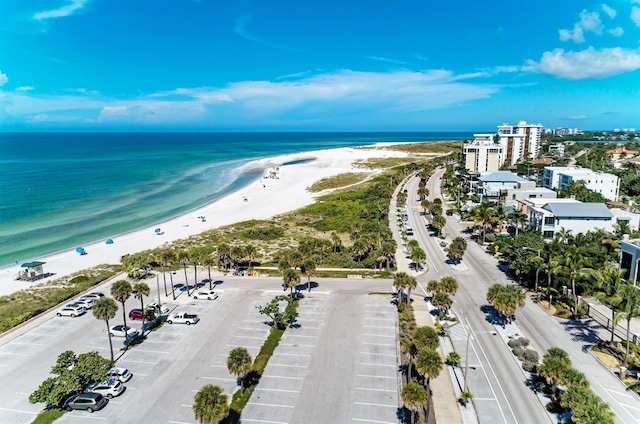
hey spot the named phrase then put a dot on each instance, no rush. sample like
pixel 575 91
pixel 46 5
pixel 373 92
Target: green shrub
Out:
pixel 514 343
pixel 529 366
pixel 530 355
pixel 518 351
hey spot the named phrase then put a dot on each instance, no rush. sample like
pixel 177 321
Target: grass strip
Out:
pixel 47 416
pixel 240 399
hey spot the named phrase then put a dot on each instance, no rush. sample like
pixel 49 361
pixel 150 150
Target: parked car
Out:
pixel 94 295
pixel 183 318
pixel 85 303
pixel 86 401
pixel 206 294
pixel 449 212
pixel 164 309
pixel 122 331
pixel 121 374
pixel 138 314
pixel 71 311
pixel 110 388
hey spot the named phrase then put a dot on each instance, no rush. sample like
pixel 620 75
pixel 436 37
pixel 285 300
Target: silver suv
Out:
pixel 110 388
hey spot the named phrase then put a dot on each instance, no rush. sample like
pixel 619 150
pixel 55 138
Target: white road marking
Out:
pixel 374 404
pixel 269 404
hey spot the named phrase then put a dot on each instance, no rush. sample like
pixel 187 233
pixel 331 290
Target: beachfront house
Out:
pixel 507 188
pixel 556 177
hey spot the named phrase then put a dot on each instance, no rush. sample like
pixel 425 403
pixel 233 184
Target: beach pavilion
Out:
pixel 32 271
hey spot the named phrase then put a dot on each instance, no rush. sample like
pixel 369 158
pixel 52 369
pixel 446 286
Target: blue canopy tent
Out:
pixel 109 241
pixel 81 250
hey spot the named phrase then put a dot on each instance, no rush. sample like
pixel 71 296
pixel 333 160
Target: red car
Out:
pixel 138 314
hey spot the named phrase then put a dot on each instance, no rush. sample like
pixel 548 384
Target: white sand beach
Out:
pixel 265 198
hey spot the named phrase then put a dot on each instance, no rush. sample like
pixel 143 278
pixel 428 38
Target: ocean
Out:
pixel 62 190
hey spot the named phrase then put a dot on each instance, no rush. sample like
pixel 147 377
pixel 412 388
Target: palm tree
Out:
pixel 438 221
pixel 121 291
pixel 210 405
pixel 608 280
pixel 183 258
pixel 518 219
pixel 414 396
pixel 627 299
pixel 139 291
pixel 400 281
pixel 389 250
pixel 336 242
pixel 426 337
pixel 448 285
pixel 572 262
pixel 105 309
pixel 554 367
pixel 224 254
pixel 250 251
pixel 308 268
pixel 195 254
pixel 418 256
pixel 290 279
pixel 170 258
pixel 442 301
pixel 429 363
pixel 209 261
pixel 485 214
pixel 239 363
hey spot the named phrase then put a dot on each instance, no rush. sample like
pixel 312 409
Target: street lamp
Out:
pixel 470 334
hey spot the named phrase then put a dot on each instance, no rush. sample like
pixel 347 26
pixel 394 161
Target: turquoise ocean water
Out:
pixel 62 190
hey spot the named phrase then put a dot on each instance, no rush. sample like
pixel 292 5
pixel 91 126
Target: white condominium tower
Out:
pixel 520 141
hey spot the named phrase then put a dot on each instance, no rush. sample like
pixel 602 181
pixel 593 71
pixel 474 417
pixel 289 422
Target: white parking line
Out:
pixel 289 354
pixel 296 344
pixel 219 366
pixel 252 329
pixel 380 335
pixel 375 376
pixel 375 404
pixel 18 410
pixel 376 390
pixel 372 421
pixel 13 354
pixel 249 337
pixel 149 351
pixel 178 422
pixel 380 354
pixel 299 335
pixel 281 376
pixel 243 345
pixel 377 365
pixel 277 390
pixel 84 417
pixel 95 347
pixel 379 326
pixel 220 378
pixel 378 344
pixel 27 344
pixel 187 406
pixel 160 341
pixel 262 421
pixel 287 365
pixel 138 362
pixel 43 335
pixel 269 404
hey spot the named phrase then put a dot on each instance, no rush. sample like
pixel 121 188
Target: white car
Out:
pixel 206 294
pixel 71 311
pixel 122 331
pixel 86 303
pixel 164 309
pixel 110 388
pixel 121 374
pixel 93 295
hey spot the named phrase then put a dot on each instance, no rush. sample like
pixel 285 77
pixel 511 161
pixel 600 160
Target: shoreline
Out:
pixel 275 196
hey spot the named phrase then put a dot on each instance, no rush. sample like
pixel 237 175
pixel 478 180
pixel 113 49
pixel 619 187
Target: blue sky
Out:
pixel 349 65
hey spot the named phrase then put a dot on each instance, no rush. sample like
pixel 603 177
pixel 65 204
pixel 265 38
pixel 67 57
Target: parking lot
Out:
pixel 339 364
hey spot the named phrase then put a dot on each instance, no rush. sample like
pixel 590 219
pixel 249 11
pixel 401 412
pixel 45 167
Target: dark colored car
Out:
pixel 86 401
pixel 449 212
pixel 138 314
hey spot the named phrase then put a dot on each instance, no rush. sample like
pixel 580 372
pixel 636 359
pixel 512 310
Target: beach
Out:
pixel 263 198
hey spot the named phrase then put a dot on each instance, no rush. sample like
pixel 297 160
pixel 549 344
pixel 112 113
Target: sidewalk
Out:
pixel 445 393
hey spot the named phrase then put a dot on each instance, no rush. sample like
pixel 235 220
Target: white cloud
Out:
pixel 320 98
pixel 3 79
pixel 635 15
pixel 62 11
pixel 385 59
pixel 587 64
pixel 609 10
pixel 25 88
pixel 576 118
pixel 616 32
pixel 589 22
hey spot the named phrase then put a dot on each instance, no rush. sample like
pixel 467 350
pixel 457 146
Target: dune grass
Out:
pixel 339 181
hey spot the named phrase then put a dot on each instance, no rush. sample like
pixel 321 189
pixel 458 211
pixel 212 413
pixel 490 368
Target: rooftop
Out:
pixel 583 210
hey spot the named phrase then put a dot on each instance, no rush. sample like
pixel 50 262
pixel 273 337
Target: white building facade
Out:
pixel 483 154
pixel 520 142
pixel 554 177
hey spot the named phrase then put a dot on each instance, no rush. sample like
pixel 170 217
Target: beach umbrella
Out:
pixel 158 230
pixel 109 241
pixel 80 250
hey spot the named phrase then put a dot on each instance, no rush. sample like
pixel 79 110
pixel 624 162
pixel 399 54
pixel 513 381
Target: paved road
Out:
pixel 544 331
pixel 176 360
pixel 495 379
